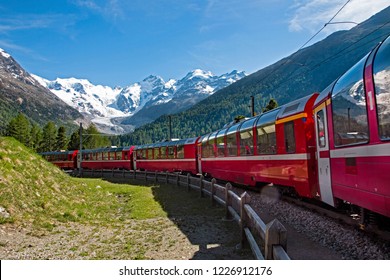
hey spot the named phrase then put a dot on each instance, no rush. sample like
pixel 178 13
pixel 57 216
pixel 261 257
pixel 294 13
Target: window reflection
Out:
pixel 382 89
pixel 349 107
pixel 321 128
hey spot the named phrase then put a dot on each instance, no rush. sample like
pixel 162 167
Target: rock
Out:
pixel 4 213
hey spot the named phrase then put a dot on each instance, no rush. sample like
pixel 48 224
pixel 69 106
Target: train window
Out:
pixel 211 144
pixel 163 152
pixel 248 124
pixel 180 151
pixel 105 156
pixel 221 143
pixel 246 137
pixel 289 137
pixel 349 108
pixel 171 152
pixel 231 140
pixel 246 142
pixel 266 139
pixel 205 149
pixel 156 153
pixel 321 128
pixel 268 117
pixel 150 153
pixel 382 89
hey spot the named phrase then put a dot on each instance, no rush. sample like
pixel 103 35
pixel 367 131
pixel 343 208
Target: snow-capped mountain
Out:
pixel 20 92
pixel 103 104
pixel 182 94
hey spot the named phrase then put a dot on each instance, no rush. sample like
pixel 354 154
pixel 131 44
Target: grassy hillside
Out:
pixel 35 192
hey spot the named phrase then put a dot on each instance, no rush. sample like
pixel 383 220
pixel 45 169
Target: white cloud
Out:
pixel 112 9
pixel 35 21
pixel 313 14
pixel 7 45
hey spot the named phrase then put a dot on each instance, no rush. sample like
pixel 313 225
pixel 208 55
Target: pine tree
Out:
pixel 19 128
pixel 36 137
pixel 61 140
pixel 94 139
pixel 49 137
pixel 74 142
pixel 271 105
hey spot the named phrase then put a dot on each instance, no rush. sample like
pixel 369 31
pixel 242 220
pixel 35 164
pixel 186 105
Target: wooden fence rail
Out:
pixel 271 237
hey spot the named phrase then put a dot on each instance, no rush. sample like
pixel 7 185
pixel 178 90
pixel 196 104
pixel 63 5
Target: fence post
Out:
pixel 245 199
pixel 188 182
pixel 135 174
pixel 155 177
pixel 201 185
pixel 167 177
pixel 213 191
pixel 123 173
pixel 146 175
pixel 227 200
pixel 112 172
pixel 275 234
pixel 177 179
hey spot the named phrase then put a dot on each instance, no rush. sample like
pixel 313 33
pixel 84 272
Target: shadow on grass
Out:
pixel 203 224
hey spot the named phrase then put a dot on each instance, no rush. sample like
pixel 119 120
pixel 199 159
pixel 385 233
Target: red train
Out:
pixel 66 160
pixel 332 146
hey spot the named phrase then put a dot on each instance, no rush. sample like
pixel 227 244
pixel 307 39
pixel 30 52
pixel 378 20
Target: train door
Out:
pixel 135 155
pixel 323 155
pixel 199 157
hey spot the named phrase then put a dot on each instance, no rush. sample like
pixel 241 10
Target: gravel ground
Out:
pixel 344 241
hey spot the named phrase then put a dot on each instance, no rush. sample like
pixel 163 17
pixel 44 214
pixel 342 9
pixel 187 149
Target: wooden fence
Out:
pixel 267 241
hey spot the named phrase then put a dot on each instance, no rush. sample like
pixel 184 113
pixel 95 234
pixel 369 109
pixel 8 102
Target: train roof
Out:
pixel 57 152
pixel 296 106
pixel 175 142
pixel 102 150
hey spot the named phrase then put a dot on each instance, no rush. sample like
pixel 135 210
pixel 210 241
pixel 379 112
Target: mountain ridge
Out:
pixel 20 92
pixel 117 110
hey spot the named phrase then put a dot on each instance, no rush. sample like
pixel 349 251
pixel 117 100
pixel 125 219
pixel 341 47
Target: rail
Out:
pixel 267 241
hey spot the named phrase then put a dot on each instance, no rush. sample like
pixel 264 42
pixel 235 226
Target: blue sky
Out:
pixel 120 42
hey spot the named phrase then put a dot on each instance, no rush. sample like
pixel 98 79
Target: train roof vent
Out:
pixel 290 109
pixel 295 107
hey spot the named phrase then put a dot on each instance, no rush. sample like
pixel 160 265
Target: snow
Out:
pixel 102 103
pixel 201 73
pixel 4 53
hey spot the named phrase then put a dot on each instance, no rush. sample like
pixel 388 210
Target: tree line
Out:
pixel 51 137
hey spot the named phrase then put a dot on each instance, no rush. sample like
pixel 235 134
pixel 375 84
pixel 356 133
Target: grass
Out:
pixel 34 191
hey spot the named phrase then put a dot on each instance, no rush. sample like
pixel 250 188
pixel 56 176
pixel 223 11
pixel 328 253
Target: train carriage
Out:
pixel 170 156
pixel 107 158
pixel 66 160
pixel 353 131
pixel 274 147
